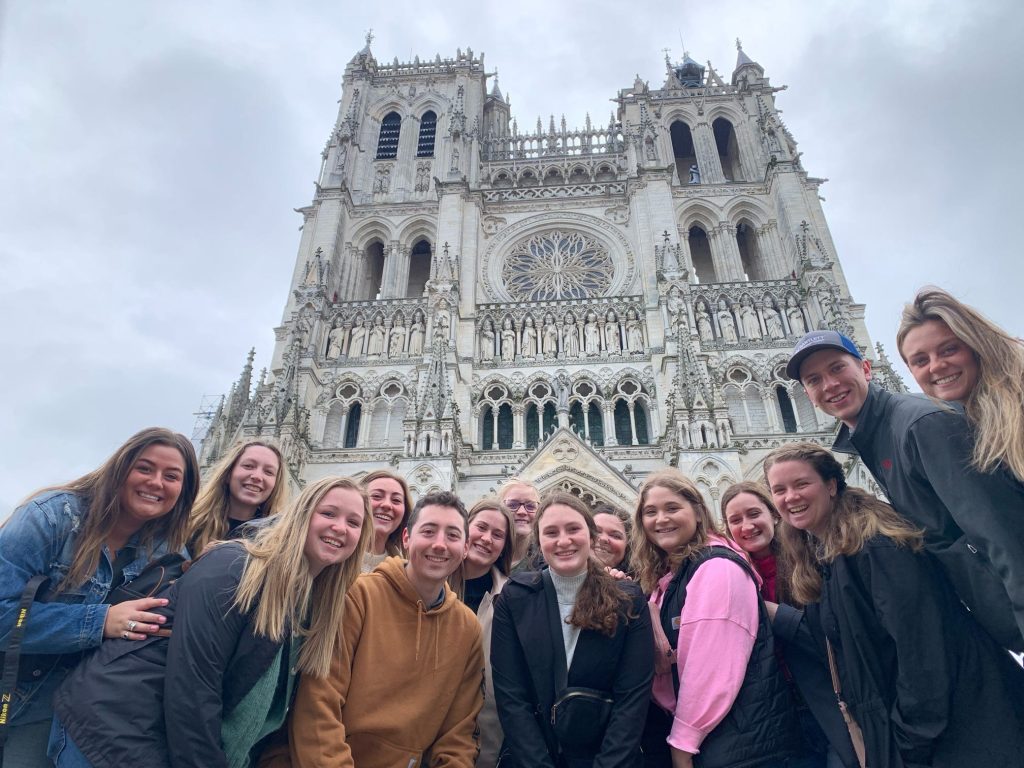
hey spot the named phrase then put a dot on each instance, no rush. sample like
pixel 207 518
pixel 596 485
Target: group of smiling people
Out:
pixel 812 624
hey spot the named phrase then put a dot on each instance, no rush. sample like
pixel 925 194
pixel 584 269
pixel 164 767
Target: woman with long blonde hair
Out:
pixel 922 680
pixel 87 537
pixel 246 618
pixel 390 505
pixel 247 483
pixel 955 353
pixel 718 690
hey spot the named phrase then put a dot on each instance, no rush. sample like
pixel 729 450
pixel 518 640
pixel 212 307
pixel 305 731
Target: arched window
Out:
pixel 332 426
pixel 683 150
pixel 355 413
pixel 728 151
pixel 419 269
pixel 428 130
pixel 786 409
pixel 373 274
pixel 750 252
pixel 623 432
pixel 387 142
pixel 640 418
pixel 532 427
pixel 700 254
pixel 504 426
pixel 487 428
pixel 596 424
pixel 576 421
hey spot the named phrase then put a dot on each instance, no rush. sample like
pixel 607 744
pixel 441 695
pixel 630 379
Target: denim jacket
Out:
pixel 39 538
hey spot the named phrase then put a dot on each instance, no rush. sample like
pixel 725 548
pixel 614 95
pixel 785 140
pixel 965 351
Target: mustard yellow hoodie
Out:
pixel 405 689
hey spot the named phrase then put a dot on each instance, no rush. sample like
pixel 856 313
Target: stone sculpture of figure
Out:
pixel 726 323
pixel 487 340
pixel 550 337
pixel 649 149
pixel 455 159
pixel 634 332
pixel 416 334
pixel 676 307
pixel 335 342
pixel 796 318
pixel 375 348
pixel 398 331
pixel 528 343
pixel 508 341
pixel 442 326
pixel 339 164
pixel 694 174
pixel 592 335
pixel 828 310
pixel 611 333
pixel 570 337
pixel 704 322
pixel 355 342
pixel 772 321
pixel 748 320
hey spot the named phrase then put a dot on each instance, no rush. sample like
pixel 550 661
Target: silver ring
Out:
pixel 124 635
pixel 131 626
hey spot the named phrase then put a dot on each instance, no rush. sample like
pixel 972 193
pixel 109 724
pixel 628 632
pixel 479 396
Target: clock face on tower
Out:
pixel 557 264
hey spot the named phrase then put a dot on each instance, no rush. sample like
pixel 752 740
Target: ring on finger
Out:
pixel 131 626
pixel 124 635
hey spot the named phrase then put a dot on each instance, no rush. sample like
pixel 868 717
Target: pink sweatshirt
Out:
pixel 716 635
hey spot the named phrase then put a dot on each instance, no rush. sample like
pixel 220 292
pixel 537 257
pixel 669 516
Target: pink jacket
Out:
pixel 716 635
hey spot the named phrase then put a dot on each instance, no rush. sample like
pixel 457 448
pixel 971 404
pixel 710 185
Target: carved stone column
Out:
pixel 518 426
pixel 608 414
pixel 731 251
pixel 707 154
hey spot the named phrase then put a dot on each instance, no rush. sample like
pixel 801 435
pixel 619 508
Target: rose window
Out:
pixel 557 265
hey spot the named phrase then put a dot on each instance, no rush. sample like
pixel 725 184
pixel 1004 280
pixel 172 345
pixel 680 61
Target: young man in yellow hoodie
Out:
pixel 406 687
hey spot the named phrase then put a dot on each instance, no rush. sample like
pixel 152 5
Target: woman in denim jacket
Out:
pixel 88 536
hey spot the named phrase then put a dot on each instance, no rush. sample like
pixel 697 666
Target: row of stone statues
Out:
pixel 588 336
pixel 375 340
pixel 729 323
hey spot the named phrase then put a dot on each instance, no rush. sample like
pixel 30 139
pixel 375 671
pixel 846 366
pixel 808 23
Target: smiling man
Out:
pixel 406 687
pixel 919 451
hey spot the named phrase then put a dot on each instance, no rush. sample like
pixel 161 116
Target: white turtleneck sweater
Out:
pixel 566 589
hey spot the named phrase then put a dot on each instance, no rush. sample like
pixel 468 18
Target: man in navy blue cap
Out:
pixel 919 451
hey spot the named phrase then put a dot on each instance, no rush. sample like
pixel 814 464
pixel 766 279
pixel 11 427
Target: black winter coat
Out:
pixel 120 703
pixel 926 684
pixel 528 654
pixel 920 453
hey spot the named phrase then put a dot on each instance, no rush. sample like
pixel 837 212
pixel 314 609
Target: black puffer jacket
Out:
pixel 120 703
pixel 920 453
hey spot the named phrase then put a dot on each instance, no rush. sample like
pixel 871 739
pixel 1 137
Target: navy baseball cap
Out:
pixel 814 342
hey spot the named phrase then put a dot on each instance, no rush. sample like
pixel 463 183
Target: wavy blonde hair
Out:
pixel 995 406
pixel 278 586
pixel 209 519
pixel 650 562
pixel 855 517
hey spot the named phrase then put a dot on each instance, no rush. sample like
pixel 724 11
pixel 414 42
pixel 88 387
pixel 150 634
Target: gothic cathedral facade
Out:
pixel 472 301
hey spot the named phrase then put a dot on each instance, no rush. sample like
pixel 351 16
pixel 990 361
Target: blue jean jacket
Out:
pixel 40 538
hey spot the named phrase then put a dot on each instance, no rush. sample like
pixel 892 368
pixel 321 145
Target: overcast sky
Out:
pixel 151 155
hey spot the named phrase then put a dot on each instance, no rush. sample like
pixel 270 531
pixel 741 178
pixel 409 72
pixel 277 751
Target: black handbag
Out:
pixel 156 576
pixel 579 718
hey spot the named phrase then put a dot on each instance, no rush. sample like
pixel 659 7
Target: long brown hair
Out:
pixel 855 517
pixel 278 586
pixel 99 491
pixel 650 562
pixel 996 404
pixel 209 519
pixel 457 581
pixel 783 568
pixel 600 602
pixel 393 546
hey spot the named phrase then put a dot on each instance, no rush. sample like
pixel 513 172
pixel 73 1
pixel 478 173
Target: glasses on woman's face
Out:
pixel 515 504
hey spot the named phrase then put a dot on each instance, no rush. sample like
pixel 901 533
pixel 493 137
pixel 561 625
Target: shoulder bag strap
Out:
pixel 12 656
pixel 856 734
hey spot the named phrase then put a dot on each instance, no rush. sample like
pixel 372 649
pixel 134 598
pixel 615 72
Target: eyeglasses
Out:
pixel 515 504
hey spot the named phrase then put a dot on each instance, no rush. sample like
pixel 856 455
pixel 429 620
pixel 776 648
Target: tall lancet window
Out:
pixel 387 143
pixel 428 130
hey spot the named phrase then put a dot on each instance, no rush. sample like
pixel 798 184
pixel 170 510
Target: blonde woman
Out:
pixel 247 616
pixel 737 709
pixel 955 353
pixel 923 681
pixel 390 506
pixel 247 483
pixel 521 499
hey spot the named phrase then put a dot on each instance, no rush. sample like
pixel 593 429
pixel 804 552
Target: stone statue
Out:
pixel 796 317
pixel 355 342
pixel 487 340
pixel 748 320
pixel 339 164
pixel 726 323
pixel 634 332
pixel 508 341
pixel 649 149
pixel 375 347
pixel 592 335
pixel 335 342
pixel 828 310
pixel 611 333
pixel 528 343
pixel 772 321
pixel 442 326
pixel 455 160
pixel 704 322
pixel 570 336
pixel 416 334
pixel 694 174
pixel 550 337
pixel 397 343
pixel 676 307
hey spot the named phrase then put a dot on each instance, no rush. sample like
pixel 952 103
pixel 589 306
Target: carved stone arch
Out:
pixel 375 229
pixel 552 174
pixel 430 100
pixel 679 114
pixel 417 228
pixel 424 479
pixel 576 169
pixel 385 105
pixel 605 171
pixel 746 207
pixel 697 213
pixel 726 111
pixel 603 234
pixel 528 177
pixel 734 362
pixel 772 366
pixel 502 178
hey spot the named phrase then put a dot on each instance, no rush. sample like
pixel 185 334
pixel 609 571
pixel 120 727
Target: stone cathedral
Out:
pixel 473 300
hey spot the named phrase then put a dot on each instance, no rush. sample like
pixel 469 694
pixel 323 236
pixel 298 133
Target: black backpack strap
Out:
pixel 12 656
